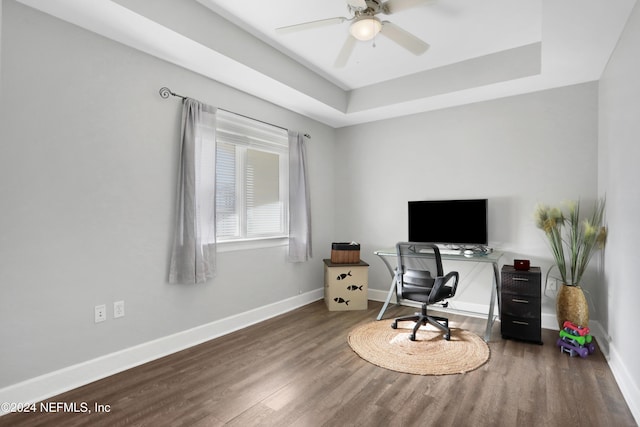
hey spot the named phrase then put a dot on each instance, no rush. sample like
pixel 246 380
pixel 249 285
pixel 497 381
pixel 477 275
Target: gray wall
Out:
pixel 88 155
pixel 619 127
pixel 88 165
pixel 517 152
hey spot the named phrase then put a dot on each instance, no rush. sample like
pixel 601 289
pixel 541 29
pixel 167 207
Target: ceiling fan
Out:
pixel 365 25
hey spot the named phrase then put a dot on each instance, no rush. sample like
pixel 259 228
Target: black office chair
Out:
pixel 419 277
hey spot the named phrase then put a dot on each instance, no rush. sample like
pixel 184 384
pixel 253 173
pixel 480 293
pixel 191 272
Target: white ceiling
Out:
pixel 479 50
pixel 456 30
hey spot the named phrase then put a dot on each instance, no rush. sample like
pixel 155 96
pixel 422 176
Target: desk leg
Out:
pixel 392 290
pixel 495 292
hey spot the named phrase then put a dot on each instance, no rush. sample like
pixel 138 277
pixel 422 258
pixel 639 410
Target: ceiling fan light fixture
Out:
pixel 365 28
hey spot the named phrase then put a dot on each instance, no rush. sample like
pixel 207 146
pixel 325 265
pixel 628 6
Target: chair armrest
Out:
pixel 439 284
pixel 455 275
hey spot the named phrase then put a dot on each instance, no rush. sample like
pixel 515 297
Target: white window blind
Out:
pixel 251 179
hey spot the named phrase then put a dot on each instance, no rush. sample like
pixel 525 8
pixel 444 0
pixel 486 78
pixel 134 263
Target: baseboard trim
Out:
pixel 623 377
pixel 458 307
pixel 548 320
pixel 63 380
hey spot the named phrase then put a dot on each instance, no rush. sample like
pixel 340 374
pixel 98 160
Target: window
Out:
pixel 251 179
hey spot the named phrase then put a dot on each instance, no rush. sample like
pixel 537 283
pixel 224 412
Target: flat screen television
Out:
pixel 455 222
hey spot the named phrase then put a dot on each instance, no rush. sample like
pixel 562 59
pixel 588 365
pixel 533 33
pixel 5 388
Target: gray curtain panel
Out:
pixel 299 205
pixel 194 247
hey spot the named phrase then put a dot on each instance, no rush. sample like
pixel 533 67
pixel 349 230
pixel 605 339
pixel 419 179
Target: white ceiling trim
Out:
pixel 575 49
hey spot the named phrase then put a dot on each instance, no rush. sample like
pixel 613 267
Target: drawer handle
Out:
pixel 521 301
pixel 520 279
pixel 517 322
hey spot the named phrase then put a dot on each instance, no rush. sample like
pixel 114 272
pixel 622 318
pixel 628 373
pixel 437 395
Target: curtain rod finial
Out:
pixel 165 92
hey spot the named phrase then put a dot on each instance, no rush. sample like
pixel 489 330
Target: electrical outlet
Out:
pixel 100 313
pixel 118 309
pixel 552 284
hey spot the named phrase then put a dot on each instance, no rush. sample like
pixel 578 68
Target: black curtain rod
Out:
pixel 165 92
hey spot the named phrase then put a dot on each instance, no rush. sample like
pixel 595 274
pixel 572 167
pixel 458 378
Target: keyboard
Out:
pixel 451 251
pixel 443 251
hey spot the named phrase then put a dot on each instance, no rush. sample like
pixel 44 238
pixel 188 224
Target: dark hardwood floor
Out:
pixel 298 370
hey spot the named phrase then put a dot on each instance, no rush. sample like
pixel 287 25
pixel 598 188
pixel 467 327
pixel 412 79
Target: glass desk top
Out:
pixel 492 257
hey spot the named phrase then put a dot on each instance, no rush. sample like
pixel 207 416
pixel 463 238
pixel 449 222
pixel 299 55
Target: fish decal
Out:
pixel 343 275
pixel 340 301
pixel 355 287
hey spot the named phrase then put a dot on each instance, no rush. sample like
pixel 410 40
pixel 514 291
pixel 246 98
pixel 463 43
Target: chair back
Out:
pixel 418 265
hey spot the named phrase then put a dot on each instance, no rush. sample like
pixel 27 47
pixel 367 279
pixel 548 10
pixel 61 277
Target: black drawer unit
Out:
pixel 520 304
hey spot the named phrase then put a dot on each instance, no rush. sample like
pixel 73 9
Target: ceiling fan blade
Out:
pixel 357 4
pixel 312 24
pixel 404 38
pixel 345 52
pixel 394 6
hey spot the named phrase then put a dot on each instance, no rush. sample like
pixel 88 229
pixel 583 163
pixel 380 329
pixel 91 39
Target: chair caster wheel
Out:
pixel 412 337
pixel 394 325
pixel 447 337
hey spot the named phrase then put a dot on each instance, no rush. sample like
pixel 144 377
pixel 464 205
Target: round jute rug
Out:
pixel 429 354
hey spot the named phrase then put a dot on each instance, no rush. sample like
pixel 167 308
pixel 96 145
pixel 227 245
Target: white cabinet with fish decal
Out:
pixel 346 286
